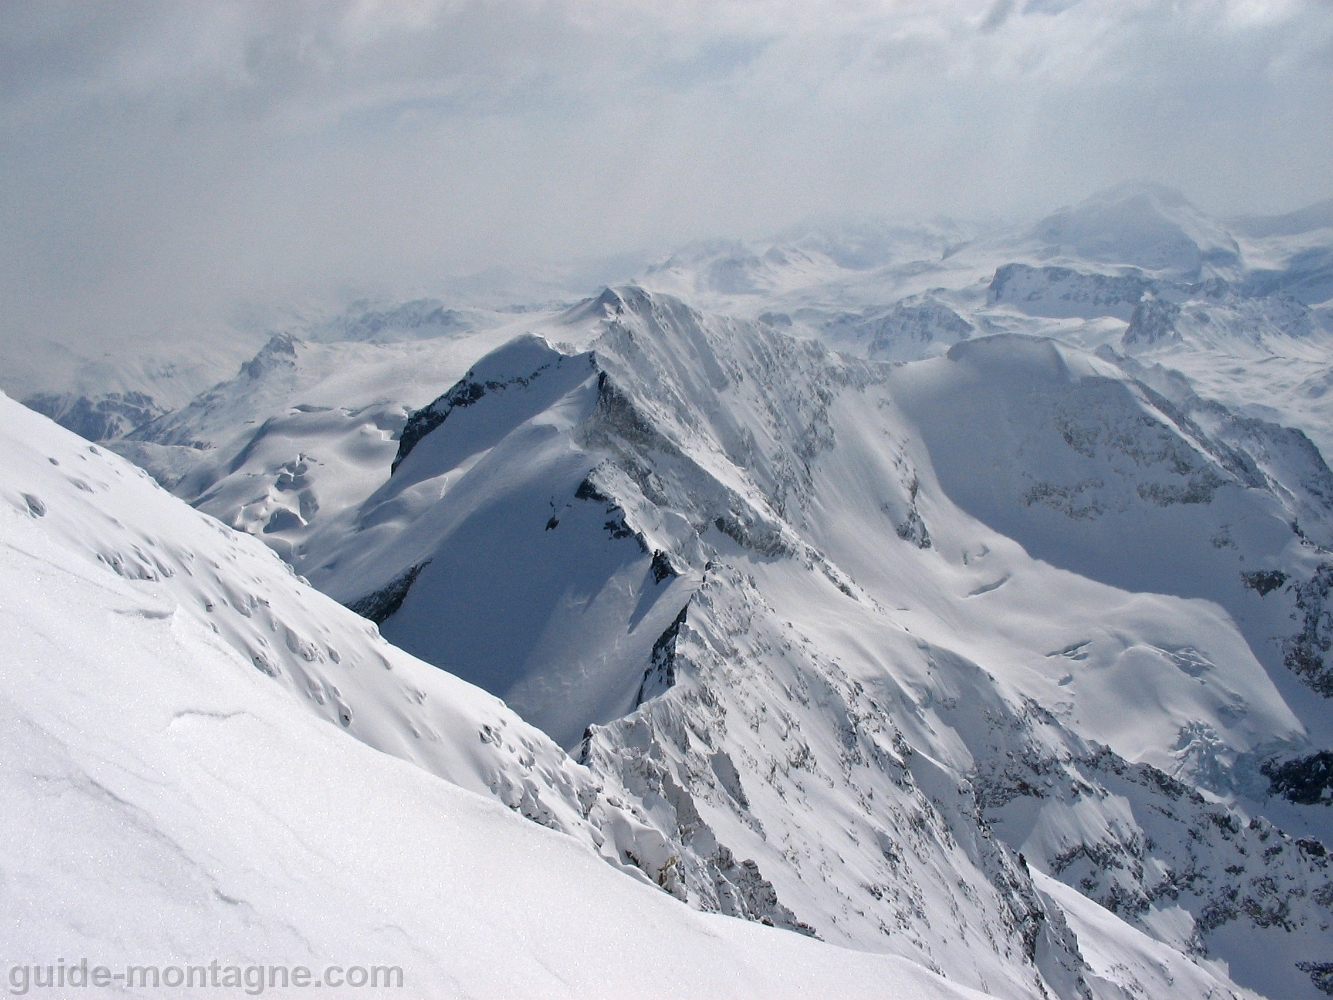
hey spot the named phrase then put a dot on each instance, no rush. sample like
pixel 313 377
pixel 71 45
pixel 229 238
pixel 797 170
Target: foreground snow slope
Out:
pixel 650 523
pixel 169 803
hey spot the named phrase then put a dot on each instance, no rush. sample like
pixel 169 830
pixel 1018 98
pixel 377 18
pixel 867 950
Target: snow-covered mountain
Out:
pixel 117 391
pixel 1146 226
pixel 304 427
pixel 106 393
pixel 672 520
pixel 952 592
pixel 208 761
pixel 677 522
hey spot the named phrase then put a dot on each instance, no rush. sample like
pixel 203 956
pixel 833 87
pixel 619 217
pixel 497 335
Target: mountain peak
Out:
pixel 280 351
pixel 1140 225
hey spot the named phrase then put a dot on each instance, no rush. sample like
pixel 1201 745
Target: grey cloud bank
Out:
pixel 164 162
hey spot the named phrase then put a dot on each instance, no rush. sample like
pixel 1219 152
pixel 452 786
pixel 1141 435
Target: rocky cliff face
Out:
pixel 98 418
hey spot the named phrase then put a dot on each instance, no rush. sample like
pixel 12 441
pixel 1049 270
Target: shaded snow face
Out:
pixel 100 515
pixel 1080 465
pixel 1105 477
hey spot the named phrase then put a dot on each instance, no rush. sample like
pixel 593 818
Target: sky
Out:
pixel 164 160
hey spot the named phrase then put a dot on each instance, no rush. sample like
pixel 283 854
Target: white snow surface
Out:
pixel 847 609
pixel 1112 949
pixel 969 644
pixel 168 803
pixel 326 415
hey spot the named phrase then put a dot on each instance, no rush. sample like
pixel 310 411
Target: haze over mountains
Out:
pixel 944 591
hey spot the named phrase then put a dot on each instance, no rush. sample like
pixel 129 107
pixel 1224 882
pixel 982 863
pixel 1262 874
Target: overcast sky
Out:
pixel 165 158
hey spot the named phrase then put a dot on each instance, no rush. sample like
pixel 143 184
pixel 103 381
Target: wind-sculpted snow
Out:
pixel 334 663
pixel 182 786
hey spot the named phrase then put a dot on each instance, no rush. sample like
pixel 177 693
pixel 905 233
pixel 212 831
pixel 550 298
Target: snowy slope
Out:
pixel 226 813
pixel 873 651
pixel 1097 475
pixel 304 429
pixel 237 592
pixel 1144 226
pixel 726 553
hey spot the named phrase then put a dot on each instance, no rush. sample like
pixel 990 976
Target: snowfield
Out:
pixel 954 599
pixel 171 804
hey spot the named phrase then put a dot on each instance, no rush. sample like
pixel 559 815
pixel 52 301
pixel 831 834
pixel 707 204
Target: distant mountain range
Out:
pixel 949 592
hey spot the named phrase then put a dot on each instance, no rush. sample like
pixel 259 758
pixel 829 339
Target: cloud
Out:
pixel 164 158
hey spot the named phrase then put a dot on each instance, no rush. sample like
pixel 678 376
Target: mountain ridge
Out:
pixel 956 593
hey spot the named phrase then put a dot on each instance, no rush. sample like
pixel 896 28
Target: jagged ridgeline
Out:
pixel 771 596
pixel 179 701
pixel 999 641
